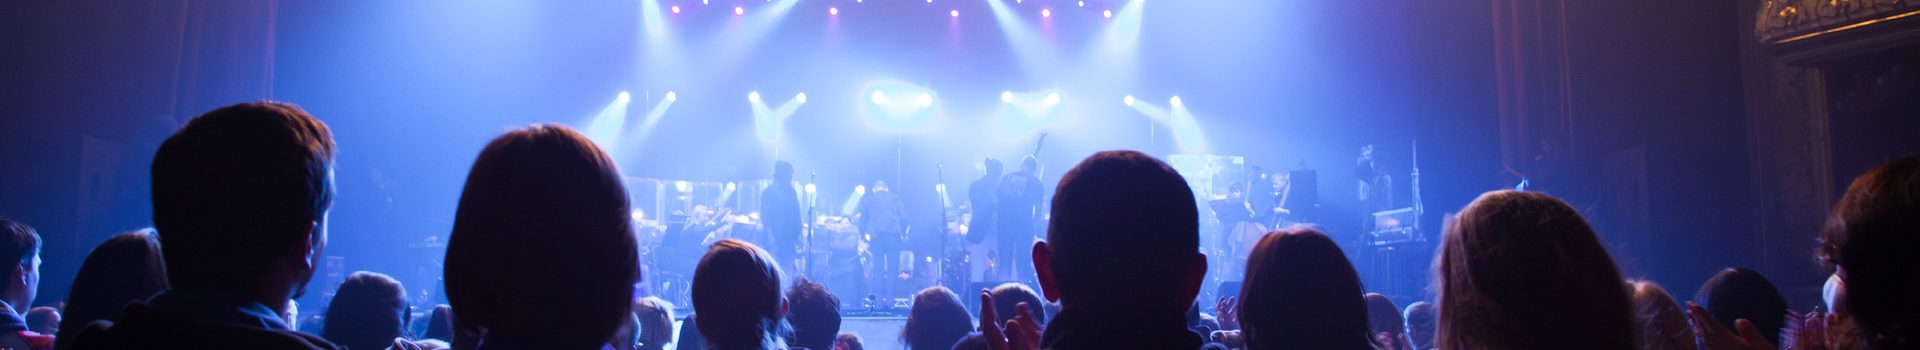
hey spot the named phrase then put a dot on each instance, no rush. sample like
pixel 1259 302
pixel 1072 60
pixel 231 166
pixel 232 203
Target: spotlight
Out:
pixel 954 13
pixel 730 186
pixel 676 8
pixel 1053 98
pixel 860 189
pixel 638 215
pixel 753 97
pixel 1175 101
pixel 1107 13
pixel 924 100
pixel 942 188
pixel 703 2
pixel 623 98
pixel 683 186
pixel 1046 13
pixel 1006 96
pixel 672 97
pixel 879 98
pixel 739 10
pixel 833 11
pixel 1128 100
pixel 1083 4
pixel 810 188
pixel 800 97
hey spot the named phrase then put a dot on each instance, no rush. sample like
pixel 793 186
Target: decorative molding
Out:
pixel 1806 32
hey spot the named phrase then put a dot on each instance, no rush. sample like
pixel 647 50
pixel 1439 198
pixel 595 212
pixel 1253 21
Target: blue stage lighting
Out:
pixel 1053 99
pixel 623 98
pixel 1006 96
pixel 1048 13
pixel 800 97
pixel 676 8
pixel 753 97
pixel 1128 100
pixel 672 97
pixel 924 100
pixel 954 13
pixel 879 98
pixel 1107 13
pixel 1175 101
pixel 833 11
pixel 737 10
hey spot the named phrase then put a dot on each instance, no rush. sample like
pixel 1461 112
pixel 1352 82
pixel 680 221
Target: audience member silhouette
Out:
pixel 627 337
pixel 1523 270
pixel 814 315
pixel 1871 237
pixel 936 321
pixel 1420 318
pixel 656 323
pixel 542 254
pixel 1122 258
pixel 848 341
pixel 240 200
pixel 20 249
pixel 690 338
pixel 973 341
pixel 439 324
pixel 1008 295
pixel 1301 293
pixel 1736 294
pixel 125 269
pixel 1383 321
pixel 369 311
pixel 736 289
pixel 1662 325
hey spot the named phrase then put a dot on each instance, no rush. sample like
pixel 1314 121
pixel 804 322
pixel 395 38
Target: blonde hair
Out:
pixel 1663 325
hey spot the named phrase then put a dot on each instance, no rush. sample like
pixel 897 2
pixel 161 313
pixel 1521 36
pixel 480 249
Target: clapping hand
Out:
pixel 1227 312
pixel 1807 332
pixel 1020 333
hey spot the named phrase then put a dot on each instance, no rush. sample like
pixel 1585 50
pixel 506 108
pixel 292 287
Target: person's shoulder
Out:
pixel 25 340
pixel 36 341
pixel 141 332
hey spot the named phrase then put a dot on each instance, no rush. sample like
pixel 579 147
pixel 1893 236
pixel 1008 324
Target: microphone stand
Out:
pixel 812 203
pixel 940 270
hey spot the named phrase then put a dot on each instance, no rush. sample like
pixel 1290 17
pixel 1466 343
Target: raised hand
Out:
pixel 1023 331
pixel 990 322
pixel 1227 312
pixel 1807 332
pixel 1020 333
